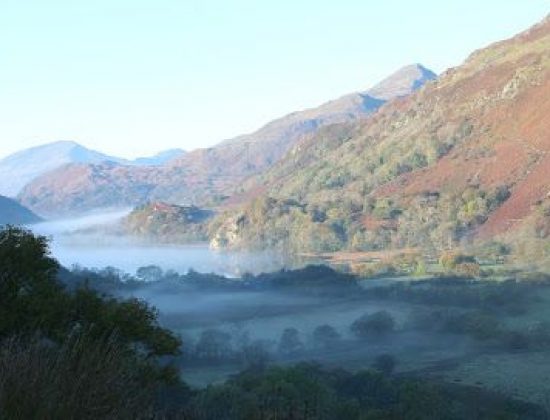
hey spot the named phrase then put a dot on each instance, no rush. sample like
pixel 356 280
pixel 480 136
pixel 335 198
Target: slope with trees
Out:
pixel 206 176
pixel 466 157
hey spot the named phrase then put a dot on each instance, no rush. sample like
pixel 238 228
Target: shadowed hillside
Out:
pixel 13 213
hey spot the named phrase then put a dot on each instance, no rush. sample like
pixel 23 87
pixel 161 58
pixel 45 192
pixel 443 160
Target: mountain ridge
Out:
pixel 203 176
pixel 464 159
pixel 22 167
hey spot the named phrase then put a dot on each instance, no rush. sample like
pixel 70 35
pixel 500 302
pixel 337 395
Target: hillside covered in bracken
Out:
pixel 464 159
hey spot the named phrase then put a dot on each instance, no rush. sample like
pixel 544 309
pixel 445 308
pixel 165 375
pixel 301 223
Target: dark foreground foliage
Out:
pixel 71 352
pixel 308 392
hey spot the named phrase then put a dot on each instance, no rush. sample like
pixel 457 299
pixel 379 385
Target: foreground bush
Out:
pixel 308 392
pixel 91 356
pixel 84 378
pixel 375 324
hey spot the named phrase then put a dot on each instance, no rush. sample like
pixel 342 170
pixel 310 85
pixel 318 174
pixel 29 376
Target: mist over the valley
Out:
pixel 225 211
pixel 231 317
pixel 95 240
pixel 478 333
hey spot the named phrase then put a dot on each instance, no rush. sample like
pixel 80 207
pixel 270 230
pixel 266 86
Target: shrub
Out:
pixel 290 342
pixel 84 378
pixel 480 325
pixel 325 336
pixel 214 344
pixel 376 324
pixel 450 260
pixel 94 356
pixel 256 355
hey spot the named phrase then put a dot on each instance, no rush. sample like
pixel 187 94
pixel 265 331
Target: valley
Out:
pixel 447 329
pixel 381 255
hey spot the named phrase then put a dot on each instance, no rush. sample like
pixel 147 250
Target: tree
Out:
pixel 30 296
pixel 89 348
pixel 450 260
pixel 256 355
pixel 325 336
pixel 376 324
pixel 213 345
pixel 134 321
pixel 290 342
pixel 84 378
pixel 149 273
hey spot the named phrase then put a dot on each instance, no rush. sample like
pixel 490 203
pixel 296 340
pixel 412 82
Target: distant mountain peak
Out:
pixel 22 167
pixel 403 82
pixel 215 171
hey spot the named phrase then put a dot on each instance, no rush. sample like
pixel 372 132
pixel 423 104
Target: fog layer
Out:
pixel 89 242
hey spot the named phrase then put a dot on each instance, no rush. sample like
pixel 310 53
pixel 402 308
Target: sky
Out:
pixel 133 77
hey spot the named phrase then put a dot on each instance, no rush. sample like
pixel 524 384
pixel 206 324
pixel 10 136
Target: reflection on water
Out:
pixel 80 242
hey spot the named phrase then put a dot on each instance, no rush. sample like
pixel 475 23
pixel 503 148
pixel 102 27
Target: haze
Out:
pixel 131 78
pixel 88 242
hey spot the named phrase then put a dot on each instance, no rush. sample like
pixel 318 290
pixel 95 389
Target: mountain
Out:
pixel 20 168
pixel 403 82
pixel 13 213
pixel 207 176
pixel 158 159
pixel 464 159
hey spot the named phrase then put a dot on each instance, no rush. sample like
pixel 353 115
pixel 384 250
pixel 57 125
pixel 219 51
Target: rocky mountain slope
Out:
pixel 207 176
pixel 13 213
pixel 465 158
pixel 222 168
pixel 20 168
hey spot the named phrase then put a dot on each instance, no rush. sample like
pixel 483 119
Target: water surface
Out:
pixel 78 241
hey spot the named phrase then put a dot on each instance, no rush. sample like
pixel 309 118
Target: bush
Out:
pixel 256 355
pixel 290 342
pixel 325 336
pixel 93 356
pixel 450 260
pixel 376 324
pixel 214 345
pixel 84 378
pixel 478 324
pixel 308 392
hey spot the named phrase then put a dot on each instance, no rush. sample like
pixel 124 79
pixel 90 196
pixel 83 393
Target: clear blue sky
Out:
pixel 130 77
